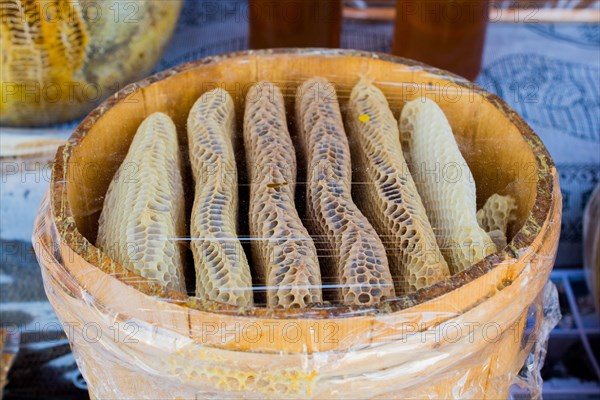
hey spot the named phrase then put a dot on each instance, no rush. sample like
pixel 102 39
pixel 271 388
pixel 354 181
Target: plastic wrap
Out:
pixel 9 346
pixel 591 250
pixel 472 336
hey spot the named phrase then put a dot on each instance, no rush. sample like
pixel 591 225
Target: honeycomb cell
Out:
pixel 222 270
pixel 386 193
pixel 445 183
pixel 352 257
pixel 143 214
pixel 495 215
pixel 284 254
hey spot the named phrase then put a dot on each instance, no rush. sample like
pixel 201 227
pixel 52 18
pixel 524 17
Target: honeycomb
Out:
pixel 62 57
pixel 445 184
pixel 416 223
pixel 284 255
pixel 352 257
pixel 495 215
pixel 43 43
pixel 387 193
pixel 222 270
pixel 144 213
pixel 223 375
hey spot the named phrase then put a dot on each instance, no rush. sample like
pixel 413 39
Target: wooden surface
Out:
pixel 505 156
pixel 526 12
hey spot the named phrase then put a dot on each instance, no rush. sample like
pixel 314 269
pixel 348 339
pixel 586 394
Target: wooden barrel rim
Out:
pixel 524 238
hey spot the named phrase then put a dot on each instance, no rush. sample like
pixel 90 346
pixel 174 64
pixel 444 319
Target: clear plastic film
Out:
pixel 591 251
pixel 9 346
pixel 473 335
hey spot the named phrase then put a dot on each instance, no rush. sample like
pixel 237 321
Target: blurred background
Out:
pixel 542 57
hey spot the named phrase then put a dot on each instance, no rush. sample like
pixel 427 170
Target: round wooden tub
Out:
pixel 465 337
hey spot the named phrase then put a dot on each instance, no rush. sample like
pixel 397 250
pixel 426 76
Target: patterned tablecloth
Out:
pixel 550 74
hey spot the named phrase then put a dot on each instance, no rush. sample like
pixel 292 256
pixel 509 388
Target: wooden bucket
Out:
pixel 465 337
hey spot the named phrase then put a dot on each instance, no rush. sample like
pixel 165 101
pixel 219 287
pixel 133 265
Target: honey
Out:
pixel 295 23
pixel 447 34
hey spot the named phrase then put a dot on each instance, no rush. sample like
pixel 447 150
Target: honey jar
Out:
pixel 295 23
pixel 447 34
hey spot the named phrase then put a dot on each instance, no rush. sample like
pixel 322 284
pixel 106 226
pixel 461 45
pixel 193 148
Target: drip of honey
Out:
pixel 447 34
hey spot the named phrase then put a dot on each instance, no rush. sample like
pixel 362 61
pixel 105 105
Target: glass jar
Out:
pixel 447 34
pixel 295 23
